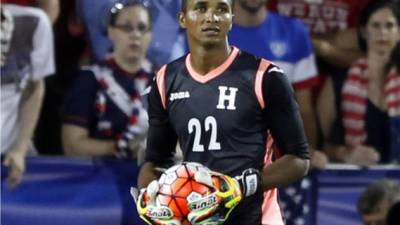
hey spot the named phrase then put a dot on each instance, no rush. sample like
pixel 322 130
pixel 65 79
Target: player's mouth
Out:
pixel 211 30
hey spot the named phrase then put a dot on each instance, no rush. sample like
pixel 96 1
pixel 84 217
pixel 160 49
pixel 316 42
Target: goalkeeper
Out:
pixel 221 105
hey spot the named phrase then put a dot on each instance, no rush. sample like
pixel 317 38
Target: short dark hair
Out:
pixel 371 8
pixel 184 3
pixel 116 9
pixel 376 193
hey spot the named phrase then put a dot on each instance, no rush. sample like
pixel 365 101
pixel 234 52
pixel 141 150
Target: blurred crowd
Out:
pixel 74 74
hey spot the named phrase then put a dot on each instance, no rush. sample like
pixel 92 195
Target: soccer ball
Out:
pixel 178 188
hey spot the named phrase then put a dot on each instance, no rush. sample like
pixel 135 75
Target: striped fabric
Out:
pixel 354 101
pixel 392 93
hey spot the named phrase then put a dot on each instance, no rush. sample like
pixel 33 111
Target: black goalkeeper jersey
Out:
pixel 222 119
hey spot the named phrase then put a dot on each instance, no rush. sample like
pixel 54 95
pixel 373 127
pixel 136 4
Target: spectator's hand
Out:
pixel 363 156
pixel 15 161
pixel 319 160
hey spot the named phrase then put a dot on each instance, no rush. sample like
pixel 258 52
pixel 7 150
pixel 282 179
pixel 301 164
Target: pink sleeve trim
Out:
pixel 160 79
pixel 264 64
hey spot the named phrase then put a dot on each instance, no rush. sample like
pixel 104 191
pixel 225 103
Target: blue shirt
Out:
pixel 280 39
pixel 87 105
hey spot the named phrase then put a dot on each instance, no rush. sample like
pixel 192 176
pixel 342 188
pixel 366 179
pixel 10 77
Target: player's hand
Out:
pixel 215 208
pixel 148 210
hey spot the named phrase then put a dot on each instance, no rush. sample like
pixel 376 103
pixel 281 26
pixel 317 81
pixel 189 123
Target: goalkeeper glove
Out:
pixel 250 182
pixel 148 210
pixel 215 208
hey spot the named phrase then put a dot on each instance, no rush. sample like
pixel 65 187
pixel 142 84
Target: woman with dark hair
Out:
pixel 370 98
pixel 104 114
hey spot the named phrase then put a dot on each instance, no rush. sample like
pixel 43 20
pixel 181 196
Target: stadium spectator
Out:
pixel 71 52
pixel 286 42
pixel 27 57
pixel 168 41
pixel 104 114
pixel 376 201
pixel 332 24
pixel 369 98
pixel 51 7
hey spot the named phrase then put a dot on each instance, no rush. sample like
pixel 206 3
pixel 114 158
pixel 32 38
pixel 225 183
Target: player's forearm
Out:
pixel 147 174
pixel 284 171
pixel 31 104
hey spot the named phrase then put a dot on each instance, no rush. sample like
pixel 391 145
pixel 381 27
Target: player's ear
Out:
pixel 181 19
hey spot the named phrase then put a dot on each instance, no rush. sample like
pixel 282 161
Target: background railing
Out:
pixel 65 191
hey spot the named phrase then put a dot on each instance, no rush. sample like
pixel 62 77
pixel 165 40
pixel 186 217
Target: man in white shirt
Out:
pixel 27 57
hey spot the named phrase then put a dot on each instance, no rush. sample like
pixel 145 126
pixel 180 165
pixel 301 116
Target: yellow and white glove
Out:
pixel 148 210
pixel 215 208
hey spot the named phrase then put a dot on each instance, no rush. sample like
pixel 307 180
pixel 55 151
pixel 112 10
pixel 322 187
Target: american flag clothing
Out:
pixel 354 101
pixel 90 103
pixel 355 108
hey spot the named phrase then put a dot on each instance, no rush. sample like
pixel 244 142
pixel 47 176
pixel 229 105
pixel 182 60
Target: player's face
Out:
pixel 207 22
pixel 252 6
pixel 131 33
pixel 382 31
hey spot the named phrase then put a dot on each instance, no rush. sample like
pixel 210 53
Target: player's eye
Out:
pixel 200 8
pixel 222 9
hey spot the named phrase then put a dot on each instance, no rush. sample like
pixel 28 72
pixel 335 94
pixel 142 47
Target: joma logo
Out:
pixel 179 95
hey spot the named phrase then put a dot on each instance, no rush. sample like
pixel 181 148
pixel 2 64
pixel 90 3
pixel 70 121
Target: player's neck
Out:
pixel 203 60
pixel 247 19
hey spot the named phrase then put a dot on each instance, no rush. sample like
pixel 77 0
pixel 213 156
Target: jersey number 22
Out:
pixel 194 125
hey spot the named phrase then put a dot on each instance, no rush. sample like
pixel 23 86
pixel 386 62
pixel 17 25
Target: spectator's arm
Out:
pixel 308 115
pixel 51 7
pixel 326 109
pixel 339 49
pixel 76 142
pixel 31 103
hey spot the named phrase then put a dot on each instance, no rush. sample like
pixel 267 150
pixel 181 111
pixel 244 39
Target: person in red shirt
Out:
pixel 333 26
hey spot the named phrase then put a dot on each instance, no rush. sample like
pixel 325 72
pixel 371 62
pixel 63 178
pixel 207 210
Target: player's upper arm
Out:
pixel 162 139
pixel 282 113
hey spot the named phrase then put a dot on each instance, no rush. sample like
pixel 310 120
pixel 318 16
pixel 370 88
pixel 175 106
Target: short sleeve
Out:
pixel 305 68
pixel 80 100
pixel 42 56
